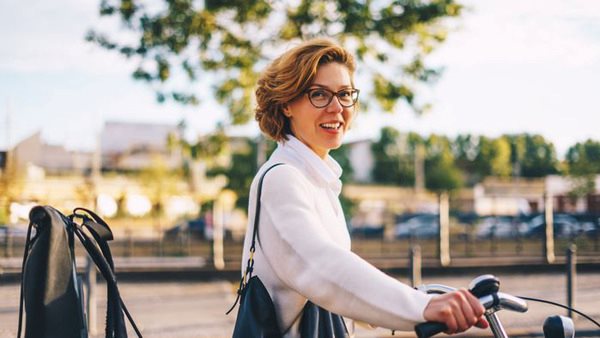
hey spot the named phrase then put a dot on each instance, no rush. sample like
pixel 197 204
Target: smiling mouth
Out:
pixel 331 126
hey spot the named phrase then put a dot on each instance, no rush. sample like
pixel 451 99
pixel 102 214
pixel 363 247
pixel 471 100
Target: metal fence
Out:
pixel 462 244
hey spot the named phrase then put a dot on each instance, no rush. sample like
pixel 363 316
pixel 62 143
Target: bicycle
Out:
pixel 486 288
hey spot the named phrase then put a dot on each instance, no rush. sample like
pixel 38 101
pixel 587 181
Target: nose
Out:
pixel 335 106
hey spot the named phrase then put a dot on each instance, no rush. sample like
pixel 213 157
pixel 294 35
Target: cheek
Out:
pixel 349 118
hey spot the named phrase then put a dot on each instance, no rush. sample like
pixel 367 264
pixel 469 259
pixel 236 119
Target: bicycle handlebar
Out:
pixel 492 303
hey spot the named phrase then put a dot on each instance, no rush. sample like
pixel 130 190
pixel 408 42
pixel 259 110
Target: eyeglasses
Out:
pixel 321 97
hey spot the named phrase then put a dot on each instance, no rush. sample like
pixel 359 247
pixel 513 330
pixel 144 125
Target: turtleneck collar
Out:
pixel 327 170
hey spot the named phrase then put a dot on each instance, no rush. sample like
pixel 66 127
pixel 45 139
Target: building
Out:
pixel 361 159
pixel 33 153
pixel 50 174
pixel 123 146
pixel 131 146
pixel 563 201
pixel 495 196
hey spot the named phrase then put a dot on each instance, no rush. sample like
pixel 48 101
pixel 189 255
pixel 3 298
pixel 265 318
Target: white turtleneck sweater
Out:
pixel 304 250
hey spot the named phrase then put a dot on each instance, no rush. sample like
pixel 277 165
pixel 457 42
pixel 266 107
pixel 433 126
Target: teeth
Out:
pixel 331 125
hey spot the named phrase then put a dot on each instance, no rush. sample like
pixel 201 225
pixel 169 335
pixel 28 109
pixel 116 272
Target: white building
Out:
pixel 33 153
pixel 133 146
pixel 361 160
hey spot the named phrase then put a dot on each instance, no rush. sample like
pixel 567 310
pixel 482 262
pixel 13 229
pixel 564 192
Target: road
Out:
pixel 196 309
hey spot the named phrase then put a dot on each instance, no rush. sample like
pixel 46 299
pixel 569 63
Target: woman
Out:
pixel 306 101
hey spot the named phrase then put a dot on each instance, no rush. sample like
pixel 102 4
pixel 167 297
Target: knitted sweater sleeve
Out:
pixel 308 261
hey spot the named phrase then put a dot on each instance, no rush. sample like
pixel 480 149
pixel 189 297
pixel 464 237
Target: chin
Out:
pixel 334 145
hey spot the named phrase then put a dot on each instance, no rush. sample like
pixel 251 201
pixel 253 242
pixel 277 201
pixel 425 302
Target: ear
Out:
pixel 287 111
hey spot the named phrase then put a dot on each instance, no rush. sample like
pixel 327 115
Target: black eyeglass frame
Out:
pixel 333 94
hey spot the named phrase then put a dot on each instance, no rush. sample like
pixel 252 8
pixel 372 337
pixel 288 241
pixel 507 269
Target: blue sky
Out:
pixel 511 66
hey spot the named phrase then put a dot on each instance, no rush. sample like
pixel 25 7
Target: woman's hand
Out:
pixel 459 310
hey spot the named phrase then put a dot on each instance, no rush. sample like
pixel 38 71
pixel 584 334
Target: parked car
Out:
pixel 420 226
pixel 564 226
pixel 193 227
pixel 592 228
pixel 401 218
pixel 368 232
pixel 500 227
pixel 367 221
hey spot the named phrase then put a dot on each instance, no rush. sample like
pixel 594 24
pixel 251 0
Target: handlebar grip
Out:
pixel 428 329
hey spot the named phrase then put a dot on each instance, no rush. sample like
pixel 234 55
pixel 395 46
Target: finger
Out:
pixel 452 325
pixel 455 303
pixel 476 309
pixel 464 314
pixel 468 313
pixel 476 305
pixel 482 323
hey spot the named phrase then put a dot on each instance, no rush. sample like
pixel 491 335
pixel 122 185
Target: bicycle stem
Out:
pixel 495 325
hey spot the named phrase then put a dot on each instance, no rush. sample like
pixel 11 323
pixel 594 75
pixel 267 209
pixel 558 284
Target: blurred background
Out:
pixel 477 128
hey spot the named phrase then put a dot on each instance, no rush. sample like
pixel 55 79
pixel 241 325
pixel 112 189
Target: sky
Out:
pixel 511 66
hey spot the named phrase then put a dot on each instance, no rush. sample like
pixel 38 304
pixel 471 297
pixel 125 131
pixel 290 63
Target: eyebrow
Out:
pixel 327 87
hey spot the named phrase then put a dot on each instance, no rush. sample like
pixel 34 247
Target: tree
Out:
pixel 241 168
pixel 386 157
pixel 199 155
pixel 160 182
pixel 493 157
pixel 535 156
pixel 394 157
pixel 227 43
pixel 441 172
pixel 583 164
pixel 342 156
pixel 11 184
pixel 465 149
pixel 523 155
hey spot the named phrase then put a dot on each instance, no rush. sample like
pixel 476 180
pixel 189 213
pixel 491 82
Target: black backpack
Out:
pixel 51 293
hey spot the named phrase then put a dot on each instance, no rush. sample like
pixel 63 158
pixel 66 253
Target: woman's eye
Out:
pixel 345 93
pixel 318 94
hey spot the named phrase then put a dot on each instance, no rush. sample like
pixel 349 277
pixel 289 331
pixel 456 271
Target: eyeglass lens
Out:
pixel 320 97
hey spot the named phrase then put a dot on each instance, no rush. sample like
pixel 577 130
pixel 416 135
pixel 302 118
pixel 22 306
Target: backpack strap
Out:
pixel 102 257
pixel 21 295
pixel 250 265
pixel 95 222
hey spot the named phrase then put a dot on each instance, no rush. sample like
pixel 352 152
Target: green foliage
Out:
pixel 536 157
pixel 209 147
pixel 342 156
pixel 523 155
pixel 229 42
pixel 468 159
pixel 466 149
pixel 389 164
pixel 241 168
pixel 11 185
pixel 160 182
pixel 394 157
pixel 493 157
pixel 583 164
pixel 584 158
pixel 441 172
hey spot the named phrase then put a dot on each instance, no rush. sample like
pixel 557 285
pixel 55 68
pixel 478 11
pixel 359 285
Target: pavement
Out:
pixel 187 308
